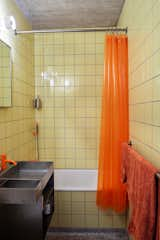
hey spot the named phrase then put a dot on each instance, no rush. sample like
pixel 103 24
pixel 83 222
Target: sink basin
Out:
pixel 19 184
pixel 19 191
pixel 24 183
pixel 27 170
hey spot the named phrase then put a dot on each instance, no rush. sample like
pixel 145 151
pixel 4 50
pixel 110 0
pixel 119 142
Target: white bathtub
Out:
pixel 75 180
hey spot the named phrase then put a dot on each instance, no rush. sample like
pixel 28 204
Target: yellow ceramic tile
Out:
pixel 59 60
pixel 59 102
pixel 119 221
pixel 59 91
pixel 65 220
pixel 58 38
pixel 70 163
pixel 79 49
pixel 79 37
pixel 156 91
pixel 69 70
pixel 64 207
pixel 78 221
pixel 59 163
pixel 90 37
pixel 92 221
pixel 156 113
pixel 69 91
pixel 69 49
pixel 100 59
pixel 79 59
pixel 48 39
pixel 106 221
pixel 69 38
pixel 78 207
pixel 99 48
pixel 80 162
pixel 59 143
pixel 78 196
pixel 70 113
pixel 69 59
pixel 156 137
pixel 91 164
pixel 91 208
pixel 58 50
pixel 90 196
pixel 59 112
pixel 69 102
pixel 100 36
pixel 48 50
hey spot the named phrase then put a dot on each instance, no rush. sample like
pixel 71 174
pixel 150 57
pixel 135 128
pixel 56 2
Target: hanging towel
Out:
pixel 158 213
pixel 139 176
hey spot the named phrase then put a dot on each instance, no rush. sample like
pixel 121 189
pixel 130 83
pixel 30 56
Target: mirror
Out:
pixel 5 75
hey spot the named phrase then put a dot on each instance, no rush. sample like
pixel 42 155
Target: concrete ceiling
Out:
pixel 47 14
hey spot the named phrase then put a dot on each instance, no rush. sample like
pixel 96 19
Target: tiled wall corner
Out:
pixel 16 122
pixel 143 21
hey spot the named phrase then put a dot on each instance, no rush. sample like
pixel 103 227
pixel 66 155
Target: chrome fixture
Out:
pixel 98 29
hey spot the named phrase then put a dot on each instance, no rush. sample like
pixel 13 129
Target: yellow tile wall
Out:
pixel 143 20
pixel 69 75
pixel 78 209
pixel 16 123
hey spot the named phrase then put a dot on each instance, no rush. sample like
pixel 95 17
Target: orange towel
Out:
pixel 139 176
pixel 158 214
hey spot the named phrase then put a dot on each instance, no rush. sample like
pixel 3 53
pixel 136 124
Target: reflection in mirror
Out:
pixel 5 75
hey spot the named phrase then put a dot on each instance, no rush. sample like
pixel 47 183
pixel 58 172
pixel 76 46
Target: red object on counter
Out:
pixel 139 176
pixel 5 161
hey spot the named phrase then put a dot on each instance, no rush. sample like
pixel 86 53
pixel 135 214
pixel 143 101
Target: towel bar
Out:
pixel 158 175
pixel 130 143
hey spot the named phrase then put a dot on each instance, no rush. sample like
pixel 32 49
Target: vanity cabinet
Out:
pixel 28 219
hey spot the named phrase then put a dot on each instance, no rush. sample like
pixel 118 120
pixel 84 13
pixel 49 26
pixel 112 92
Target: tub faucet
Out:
pixel 4 162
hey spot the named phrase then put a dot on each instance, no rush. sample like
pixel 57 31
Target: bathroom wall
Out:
pixel 16 122
pixel 69 75
pixel 143 21
pixel 68 78
pixel 78 209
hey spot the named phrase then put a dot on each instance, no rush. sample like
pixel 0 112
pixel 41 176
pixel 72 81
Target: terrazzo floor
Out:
pixel 117 235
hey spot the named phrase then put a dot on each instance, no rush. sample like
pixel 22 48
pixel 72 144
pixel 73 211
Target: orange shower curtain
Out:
pixel 111 192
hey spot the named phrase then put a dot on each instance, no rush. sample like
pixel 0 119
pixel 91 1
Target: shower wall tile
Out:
pixel 144 75
pixel 68 78
pixel 16 122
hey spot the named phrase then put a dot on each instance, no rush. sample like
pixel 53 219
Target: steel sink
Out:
pixel 27 170
pixel 28 184
pixel 19 191
pixel 24 183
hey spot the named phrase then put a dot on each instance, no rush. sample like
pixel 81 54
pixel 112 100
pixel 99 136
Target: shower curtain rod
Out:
pixel 100 29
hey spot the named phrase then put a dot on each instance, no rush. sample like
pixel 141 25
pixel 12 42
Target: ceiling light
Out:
pixel 8 23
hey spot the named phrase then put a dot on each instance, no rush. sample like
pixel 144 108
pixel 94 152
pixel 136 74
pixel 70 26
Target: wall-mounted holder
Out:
pixel 37 103
pixel 130 143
